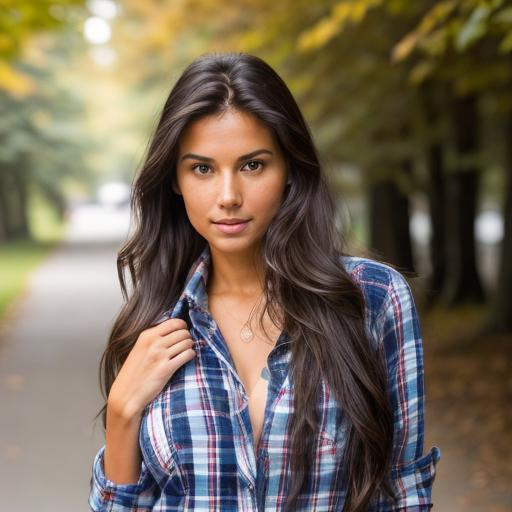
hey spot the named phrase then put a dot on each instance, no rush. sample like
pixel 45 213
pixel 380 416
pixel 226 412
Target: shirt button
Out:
pixel 251 487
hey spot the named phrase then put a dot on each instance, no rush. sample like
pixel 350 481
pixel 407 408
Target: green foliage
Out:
pixel 342 14
pixel 18 259
pixel 21 19
pixel 46 223
pixel 39 136
pixel 475 35
pixel 43 139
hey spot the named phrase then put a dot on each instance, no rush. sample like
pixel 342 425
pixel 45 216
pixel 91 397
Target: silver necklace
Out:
pixel 246 333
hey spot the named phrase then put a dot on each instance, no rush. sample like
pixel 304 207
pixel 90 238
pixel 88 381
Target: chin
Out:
pixel 232 245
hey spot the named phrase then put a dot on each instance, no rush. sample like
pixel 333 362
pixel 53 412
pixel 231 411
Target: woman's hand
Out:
pixel 156 355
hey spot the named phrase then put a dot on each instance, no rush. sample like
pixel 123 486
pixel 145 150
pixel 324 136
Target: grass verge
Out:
pixel 18 258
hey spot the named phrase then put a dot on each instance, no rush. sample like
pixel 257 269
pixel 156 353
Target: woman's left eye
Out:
pixel 258 162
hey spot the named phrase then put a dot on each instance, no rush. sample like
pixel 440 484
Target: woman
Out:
pixel 317 403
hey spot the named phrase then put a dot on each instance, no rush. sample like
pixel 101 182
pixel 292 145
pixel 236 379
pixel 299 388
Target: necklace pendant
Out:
pixel 246 334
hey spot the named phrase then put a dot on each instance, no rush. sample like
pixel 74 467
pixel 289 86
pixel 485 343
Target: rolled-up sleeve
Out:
pixel 412 472
pixel 106 495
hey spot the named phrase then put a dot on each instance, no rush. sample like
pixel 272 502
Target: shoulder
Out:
pixel 378 280
pixel 389 301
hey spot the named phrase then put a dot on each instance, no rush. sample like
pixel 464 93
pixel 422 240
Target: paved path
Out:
pixel 49 356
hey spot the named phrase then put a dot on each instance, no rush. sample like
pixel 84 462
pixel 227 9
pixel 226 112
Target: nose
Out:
pixel 230 193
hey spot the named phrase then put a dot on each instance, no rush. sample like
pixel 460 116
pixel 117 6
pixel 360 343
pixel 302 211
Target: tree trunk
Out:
pixel 8 204
pixel 13 201
pixel 436 199
pixel 500 316
pixel 20 188
pixel 390 238
pixel 3 207
pixel 435 194
pixel 462 282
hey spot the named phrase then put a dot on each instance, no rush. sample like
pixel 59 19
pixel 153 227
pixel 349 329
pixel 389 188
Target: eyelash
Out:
pixel 262 164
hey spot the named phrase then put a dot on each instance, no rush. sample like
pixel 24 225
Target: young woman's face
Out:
pixel 230 167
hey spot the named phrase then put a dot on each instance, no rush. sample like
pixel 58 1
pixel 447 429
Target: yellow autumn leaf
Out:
pixel 251 41
pixel 437 14
pixel 360 8
pixel 319 36
pixel 506 43
pixel 342 13
pixel 420 72
pixel 15 82
pixel 403 48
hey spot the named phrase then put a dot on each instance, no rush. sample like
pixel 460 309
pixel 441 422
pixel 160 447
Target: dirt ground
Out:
pixel 468 411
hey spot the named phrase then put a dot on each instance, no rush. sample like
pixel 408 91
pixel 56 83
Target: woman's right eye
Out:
pixel 194 167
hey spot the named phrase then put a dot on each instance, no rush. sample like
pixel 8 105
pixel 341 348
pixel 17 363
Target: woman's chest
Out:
pixel 248 347
pixel 197 432
pixel 249 360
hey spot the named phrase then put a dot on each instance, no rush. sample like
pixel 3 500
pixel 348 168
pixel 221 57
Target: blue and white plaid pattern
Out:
pixel 196 435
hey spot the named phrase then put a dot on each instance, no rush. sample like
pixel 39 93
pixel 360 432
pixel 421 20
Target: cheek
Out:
pixel 268 206
pixel 196 205
pixel 268 198
pixel 196 198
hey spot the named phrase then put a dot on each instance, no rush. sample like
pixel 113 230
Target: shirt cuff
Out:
pixel 413 483
pixel 133 496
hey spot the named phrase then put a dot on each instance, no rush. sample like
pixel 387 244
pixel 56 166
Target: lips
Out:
pixel 231 227
pixel 231 221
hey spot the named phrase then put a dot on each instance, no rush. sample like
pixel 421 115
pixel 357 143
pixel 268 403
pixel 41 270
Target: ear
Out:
pixel 175 187
pixel 288 172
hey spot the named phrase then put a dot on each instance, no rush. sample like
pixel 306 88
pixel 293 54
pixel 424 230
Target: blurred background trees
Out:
pixel 39 117
pixel 409 103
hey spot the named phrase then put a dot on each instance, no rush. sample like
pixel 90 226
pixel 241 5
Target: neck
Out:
pixel 237 273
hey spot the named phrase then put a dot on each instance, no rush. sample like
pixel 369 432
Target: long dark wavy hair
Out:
pixel 306 287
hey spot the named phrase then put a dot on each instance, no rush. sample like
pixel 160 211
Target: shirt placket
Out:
pixel 278 373
pixel 253 464
pixel 206 328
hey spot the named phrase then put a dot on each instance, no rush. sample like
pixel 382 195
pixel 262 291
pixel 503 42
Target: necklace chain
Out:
pixel 246 333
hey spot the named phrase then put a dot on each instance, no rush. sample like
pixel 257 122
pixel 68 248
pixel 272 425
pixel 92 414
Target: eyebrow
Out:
pixel 239 159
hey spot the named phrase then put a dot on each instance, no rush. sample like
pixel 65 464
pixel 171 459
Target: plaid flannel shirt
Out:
pixel 196 436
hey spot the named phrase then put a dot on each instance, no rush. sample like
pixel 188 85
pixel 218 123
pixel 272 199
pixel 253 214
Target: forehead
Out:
pixel 213 132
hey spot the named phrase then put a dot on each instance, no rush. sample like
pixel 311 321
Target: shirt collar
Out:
pixel 194 290
pixel 195 284
pixel 195 296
